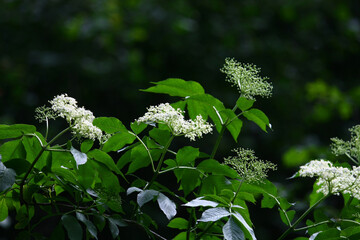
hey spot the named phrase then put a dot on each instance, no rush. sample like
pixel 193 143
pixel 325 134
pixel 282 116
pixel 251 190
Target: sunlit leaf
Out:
pixel 178 223
pixel 109 124
pixel 86 145
pixel 176 87
pixel 232 231
pixel 118 141
pixel 187 155
pixel 258 117
pixel 166 205
pixel 244 104
pixel 7 177
pixel 16 130
pixel 214 214
pixel 146 196
pixel 200 202
pixel 80 158
pixel 241 219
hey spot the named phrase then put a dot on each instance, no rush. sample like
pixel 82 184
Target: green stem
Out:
pixel 43 148
pixel 146 148
pixel 237 192
pixel 325 222
pixel 292 227
pixel 222 131
pixel 205 230
pixel 217 143
pixel 183 167
pixel 158 168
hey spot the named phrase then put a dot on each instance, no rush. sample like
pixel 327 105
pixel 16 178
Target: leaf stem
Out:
pixel 158 168
pixel 146 148
pixel 292 227
pixel 43 148
pixel 222 131
pixel 237 191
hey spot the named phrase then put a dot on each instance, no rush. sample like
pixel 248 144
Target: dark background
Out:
pixel 102 51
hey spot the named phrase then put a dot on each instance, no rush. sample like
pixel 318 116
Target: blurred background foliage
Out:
pixel 102 51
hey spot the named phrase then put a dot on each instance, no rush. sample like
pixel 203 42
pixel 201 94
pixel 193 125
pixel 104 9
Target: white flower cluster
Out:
pixel 331 179
pixel 79 118
pixel 174 119
pixel 246 78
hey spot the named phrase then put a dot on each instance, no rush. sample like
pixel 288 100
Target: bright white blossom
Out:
pixel 332 179
pixel 79 118
pixel 174 119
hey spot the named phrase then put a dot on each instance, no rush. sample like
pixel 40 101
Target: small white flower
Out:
pixel 174 119
pixel 79 118
pixel 331 179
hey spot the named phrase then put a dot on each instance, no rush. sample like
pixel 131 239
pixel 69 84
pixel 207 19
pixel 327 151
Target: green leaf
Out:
pixel 244 104
pixel 214 167
pixel 109 124
pixel 214 214
pixel 86 145
pixel 66 174
pixel 104 158
pixel 207 106
pixel 199 202
pixel 109 181
pixel 290 215
pixel 72 226
pixel 235 126
pixel 138 127
pixel 329 234
pixel 160 136
pixel 118 141
pixel 315 196
pixel 183 236
pixel 3 210
pixel 113 229
pixel 80 158
pixel 178 223
pixel 176 87
pixel 19 165
pixel 232 231
pixel 187 155
pixel 214 184
pixel 190 180
pixel 12 149
pixel 258 117
pixel 87 174
pixel 99 221
pixel 116 219
pixel 167 206
pixel 16 130
pixel 7 177
pixel 139 158
pixel 89 225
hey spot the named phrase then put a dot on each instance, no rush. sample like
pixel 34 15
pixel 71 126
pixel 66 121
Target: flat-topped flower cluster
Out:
pixel 174 119
pixel 332 179
pixel 79 118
